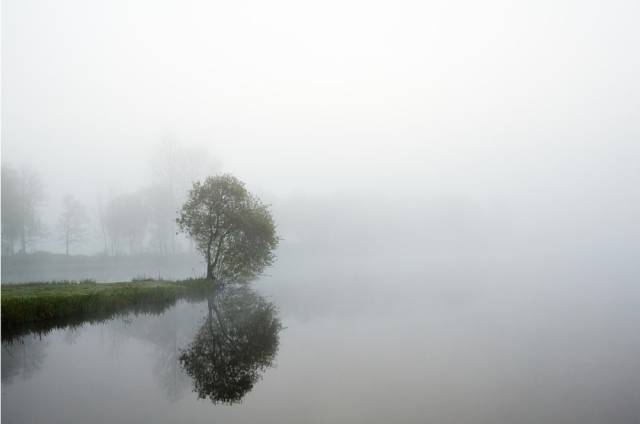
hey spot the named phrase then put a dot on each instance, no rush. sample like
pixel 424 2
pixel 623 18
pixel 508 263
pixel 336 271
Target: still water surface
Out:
pixel 357 348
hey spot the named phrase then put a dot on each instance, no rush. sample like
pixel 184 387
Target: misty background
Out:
pixel 456 185
pixel 423 133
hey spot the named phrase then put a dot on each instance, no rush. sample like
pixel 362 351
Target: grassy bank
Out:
pixel 42 306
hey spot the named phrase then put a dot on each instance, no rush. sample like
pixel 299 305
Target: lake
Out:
pixel 354 341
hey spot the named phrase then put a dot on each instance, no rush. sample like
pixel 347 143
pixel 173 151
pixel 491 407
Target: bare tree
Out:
pixel 22 197
pixel 11 219
pixel 72 223
pixel 175 167
pixel 162 216
pixel 127 219
pixel 102 224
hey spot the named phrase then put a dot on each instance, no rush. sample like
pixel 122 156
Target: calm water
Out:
pixel 377 346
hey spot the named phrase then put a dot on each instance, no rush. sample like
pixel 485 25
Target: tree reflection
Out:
pixel 236 343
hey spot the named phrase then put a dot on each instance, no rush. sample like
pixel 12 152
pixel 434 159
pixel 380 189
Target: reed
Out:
pixel 33 306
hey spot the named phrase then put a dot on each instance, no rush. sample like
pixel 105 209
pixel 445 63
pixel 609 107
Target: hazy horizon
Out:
pixel 454 191
pixel 526 110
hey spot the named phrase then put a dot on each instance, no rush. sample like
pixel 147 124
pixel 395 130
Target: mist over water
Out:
pixel 362 345
pixel 455 186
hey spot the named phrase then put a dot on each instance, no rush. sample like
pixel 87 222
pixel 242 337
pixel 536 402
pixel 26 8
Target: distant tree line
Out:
pixel 22 197
pixel 139 221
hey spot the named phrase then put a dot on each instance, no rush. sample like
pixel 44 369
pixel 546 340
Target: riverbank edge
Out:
pixel 31 304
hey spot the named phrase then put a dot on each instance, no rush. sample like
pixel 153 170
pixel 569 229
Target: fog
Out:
pixel 461 176
pixel 518 118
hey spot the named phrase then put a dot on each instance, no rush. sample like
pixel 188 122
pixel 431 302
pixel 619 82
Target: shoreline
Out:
pixel 42 307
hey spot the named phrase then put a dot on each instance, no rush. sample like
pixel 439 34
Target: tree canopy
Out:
pixel 232 228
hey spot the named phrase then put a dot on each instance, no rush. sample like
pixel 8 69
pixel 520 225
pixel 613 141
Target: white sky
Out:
pixel 474 97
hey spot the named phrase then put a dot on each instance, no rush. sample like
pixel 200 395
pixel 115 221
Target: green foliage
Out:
pixel 232 228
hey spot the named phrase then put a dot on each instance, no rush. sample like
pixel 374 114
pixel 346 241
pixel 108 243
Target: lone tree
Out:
pixel 233 229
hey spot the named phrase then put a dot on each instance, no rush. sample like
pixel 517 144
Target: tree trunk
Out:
pixel 209 264
pixel 23 240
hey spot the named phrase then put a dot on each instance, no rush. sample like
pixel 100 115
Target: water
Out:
pixel 454 344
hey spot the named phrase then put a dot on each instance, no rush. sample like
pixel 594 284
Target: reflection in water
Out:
pixel 156 306
pixel 221 358
pixel 22 357
pixel 236 343
pixel 168 371
pixel 401 353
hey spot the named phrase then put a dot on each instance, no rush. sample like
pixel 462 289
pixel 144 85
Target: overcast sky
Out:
pixel 487 99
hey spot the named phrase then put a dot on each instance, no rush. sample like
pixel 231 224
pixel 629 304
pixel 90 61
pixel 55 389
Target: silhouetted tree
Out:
pixel 174 168
pixel 231 228
pixel 126 219
pixel 102 223
pixel 162 222
pixel 22 196
pixel 72 222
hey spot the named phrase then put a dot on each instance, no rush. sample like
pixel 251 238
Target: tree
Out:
pixel 126 217
pixel 174 167
pixel 11 219
pixel 72 222
pixel 22 196
pixel 102 223
pixel 162 218
pixel 232 228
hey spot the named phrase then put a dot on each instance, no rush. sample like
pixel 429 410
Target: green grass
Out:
pixel 43 306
